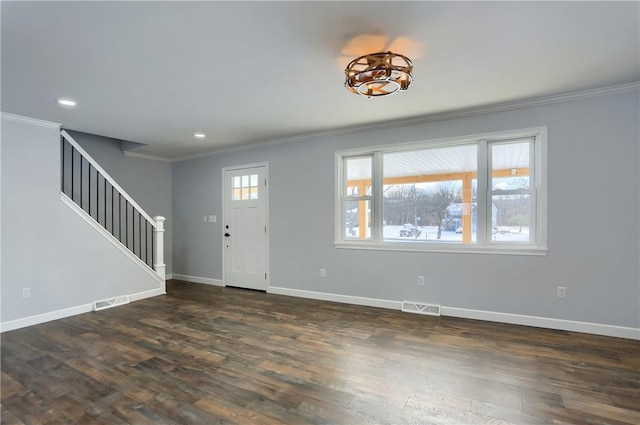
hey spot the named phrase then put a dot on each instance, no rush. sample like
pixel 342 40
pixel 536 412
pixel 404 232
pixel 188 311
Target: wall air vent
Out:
pixel 421 308
pixel 111 302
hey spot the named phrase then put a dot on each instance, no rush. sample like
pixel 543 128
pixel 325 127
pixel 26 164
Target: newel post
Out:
pixel 158 255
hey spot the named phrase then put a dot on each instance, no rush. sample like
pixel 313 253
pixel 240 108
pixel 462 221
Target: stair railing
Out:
pixel 92 189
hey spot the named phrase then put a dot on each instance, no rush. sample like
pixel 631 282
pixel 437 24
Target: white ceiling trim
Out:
pixel 28 120
pixel 146 156
pixel 467 112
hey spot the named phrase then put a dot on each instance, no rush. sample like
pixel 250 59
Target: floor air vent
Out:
pixel 421 308
pixel 111 302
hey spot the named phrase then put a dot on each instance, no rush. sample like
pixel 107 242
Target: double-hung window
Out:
pixel 478 194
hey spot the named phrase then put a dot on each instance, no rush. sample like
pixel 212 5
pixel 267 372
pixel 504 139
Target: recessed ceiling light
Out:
pixel 199 135
pixel 66 102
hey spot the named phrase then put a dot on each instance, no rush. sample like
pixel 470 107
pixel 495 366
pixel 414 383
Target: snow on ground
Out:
pixel 430 234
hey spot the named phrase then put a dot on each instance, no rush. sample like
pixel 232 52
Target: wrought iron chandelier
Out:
pixel 378 74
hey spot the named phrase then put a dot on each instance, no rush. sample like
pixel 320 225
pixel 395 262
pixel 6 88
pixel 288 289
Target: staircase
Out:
pixel 89 190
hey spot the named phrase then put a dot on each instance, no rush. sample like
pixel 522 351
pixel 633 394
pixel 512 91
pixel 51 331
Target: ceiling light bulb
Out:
pixel 66 102
pixel 199 135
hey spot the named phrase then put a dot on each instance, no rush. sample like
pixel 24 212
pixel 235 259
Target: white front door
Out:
pixel 245 228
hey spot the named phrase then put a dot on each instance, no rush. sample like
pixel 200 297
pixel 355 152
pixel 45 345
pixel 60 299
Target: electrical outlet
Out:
pixel 561 292
pixel 26 292
pixel 212 219
pixel 323 273
pixel 420 280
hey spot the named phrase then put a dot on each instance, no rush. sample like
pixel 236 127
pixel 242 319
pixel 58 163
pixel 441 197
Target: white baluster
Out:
pixel 158 255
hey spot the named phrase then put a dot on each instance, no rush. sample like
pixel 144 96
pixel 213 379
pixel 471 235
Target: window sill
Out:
pixel 445 248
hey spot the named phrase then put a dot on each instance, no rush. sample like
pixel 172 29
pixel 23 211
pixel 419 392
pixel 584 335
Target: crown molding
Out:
pixel 27 120
pixel 148 157
pixel 459 113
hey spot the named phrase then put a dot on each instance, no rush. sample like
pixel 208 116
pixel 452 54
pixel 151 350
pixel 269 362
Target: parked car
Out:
pixel 410 230
pixel 459 230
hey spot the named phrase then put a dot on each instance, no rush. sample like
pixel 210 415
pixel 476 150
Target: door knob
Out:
pixel 227 234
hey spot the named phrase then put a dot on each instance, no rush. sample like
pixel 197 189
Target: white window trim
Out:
pixel 540 190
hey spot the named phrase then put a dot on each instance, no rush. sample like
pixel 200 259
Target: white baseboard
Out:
pixel 490 316
pixel 68 312
pixel 168 276
pixel 198 279
pixel 45 317
pixel 543 322
pixel 346 299
pixel 147 294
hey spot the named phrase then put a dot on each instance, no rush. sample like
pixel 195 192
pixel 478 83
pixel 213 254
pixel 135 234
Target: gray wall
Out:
pixel 593 219
pixel 147 181
pixel 45 245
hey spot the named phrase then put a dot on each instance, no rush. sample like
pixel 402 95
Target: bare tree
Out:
pixel 521 205
pixel 438 203
pixel 400 203
pixel 514 208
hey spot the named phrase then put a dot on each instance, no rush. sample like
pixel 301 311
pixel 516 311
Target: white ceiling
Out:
pixel 251 72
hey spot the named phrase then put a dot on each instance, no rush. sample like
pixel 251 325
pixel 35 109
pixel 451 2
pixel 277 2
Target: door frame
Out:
pixel 266 218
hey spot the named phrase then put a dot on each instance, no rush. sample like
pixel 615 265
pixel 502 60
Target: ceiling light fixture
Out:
pixel 378 74
pixel 67 102
pixel 199 135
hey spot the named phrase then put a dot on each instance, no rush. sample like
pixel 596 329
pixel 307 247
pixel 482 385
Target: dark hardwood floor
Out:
pixel 209 355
